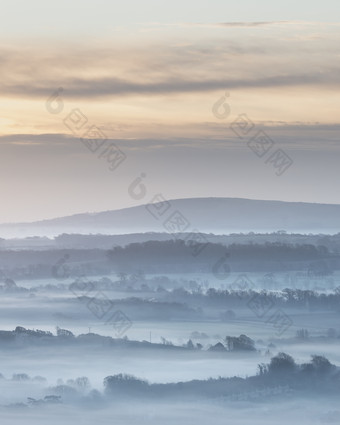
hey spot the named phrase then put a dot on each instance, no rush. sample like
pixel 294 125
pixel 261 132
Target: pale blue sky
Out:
pixel 101 17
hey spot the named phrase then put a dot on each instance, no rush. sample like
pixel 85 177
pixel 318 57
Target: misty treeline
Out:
pixel 179 255
pixel 317 376
pixel 287 298
pixel 153 301
pixel 282 376
pixel 168 256
pixel 22 337
pixel 222 304
pixel 181 299
pixel 103 241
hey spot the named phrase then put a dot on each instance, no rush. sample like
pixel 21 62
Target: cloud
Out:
pixel 111 87
pixel 245 24
pixel 302 136
pixel 199 65
pixel 248 24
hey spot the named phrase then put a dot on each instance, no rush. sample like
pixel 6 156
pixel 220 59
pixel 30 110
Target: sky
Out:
pixel 195 98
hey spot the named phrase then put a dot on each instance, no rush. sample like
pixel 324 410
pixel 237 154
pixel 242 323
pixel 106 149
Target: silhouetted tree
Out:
pixel 282 363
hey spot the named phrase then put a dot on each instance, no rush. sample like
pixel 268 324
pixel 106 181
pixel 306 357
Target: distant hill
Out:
pixel 208 215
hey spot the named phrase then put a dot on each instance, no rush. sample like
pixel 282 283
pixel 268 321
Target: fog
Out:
pixel 302 412
pixel 96 335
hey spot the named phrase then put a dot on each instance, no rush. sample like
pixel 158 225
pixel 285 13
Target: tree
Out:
pixel 64 390
pixel 217 347
pixel 122 384
pixel 122 276
pixel 263 369
pixel 64 333
pixel 20 377
pixel 302 334
pixel 282 363
pixel 54 399
pixel 165 341
pixel 82 382
pixel 20 329
pixel 321 364
pixel 189 345
pixel 10 284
